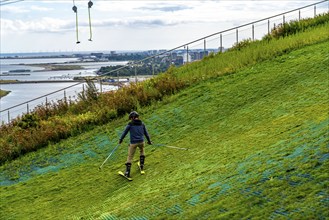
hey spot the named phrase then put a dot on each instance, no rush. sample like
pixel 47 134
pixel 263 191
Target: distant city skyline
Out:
pixel 50 26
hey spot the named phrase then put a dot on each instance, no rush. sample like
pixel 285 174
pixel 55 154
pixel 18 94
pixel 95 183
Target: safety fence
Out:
pixel 180 55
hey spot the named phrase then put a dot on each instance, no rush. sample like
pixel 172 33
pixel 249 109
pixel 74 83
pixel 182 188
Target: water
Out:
pixel 43 54
pixel 7 67
pixel 49 75
pixel 14 64
pixel 21 93
pixel 24 92
pixel 37 60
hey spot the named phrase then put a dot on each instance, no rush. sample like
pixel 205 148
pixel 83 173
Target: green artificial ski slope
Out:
pixel 258 149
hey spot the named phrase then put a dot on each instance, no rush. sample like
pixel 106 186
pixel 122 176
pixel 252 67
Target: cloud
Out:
pixel 165 8
pixel 44 24
pixel 51 25
pixel 24 10
pixel 14 9
pixel 148 5
pixel 38 8
pixel 54 25
pixel 135 23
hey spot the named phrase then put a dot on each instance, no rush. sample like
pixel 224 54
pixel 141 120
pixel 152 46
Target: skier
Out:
pixel 137 131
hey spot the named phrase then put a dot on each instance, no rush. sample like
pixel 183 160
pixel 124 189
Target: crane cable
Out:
pixel 90 32
pixel 75 9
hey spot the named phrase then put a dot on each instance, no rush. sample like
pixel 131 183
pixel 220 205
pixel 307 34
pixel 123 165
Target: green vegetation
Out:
pixel 68 118
pixel 127 56
pixel 293 27
pixel 56 67
pixel 66 67
pixel 142 69
pixel 3 93
pixel 7 81
pixel 258 149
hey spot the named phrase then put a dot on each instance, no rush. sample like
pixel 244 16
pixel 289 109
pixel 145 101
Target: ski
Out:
pixel 142 171
pixel 122 174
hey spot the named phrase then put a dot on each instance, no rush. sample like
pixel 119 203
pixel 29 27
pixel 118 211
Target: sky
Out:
pixel 50 26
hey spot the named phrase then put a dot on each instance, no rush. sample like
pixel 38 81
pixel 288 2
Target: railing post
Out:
pixel 299 15
pixel 65 97
pixel 221 42
pixel 100 84
pixel 153 64
pixel 118 79
pixel 27 108
pixel 268 26
pixel 314 10
pixel 204 46
pixel 237 36
pixel 8 116
pixel 186 53
pixel 283 19
pixel 136 73
pixel 253 32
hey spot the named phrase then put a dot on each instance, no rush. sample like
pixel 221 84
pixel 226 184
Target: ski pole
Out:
pixel 179 148
pixel 109 156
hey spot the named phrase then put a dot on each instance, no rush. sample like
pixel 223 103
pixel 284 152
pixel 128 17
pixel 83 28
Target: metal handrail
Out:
pixel 173 49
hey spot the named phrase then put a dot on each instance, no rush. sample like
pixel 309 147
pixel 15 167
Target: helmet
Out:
pixel 133 115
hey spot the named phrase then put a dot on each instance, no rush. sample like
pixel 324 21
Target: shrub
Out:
pixel 241 44
pixel 90 94
pixel 28 121
pixel 296 26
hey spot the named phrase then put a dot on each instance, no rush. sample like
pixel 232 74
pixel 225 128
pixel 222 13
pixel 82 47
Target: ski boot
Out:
pixel 127 173
pixel 141 162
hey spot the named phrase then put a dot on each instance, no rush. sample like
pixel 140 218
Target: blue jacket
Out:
pixel 137 131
